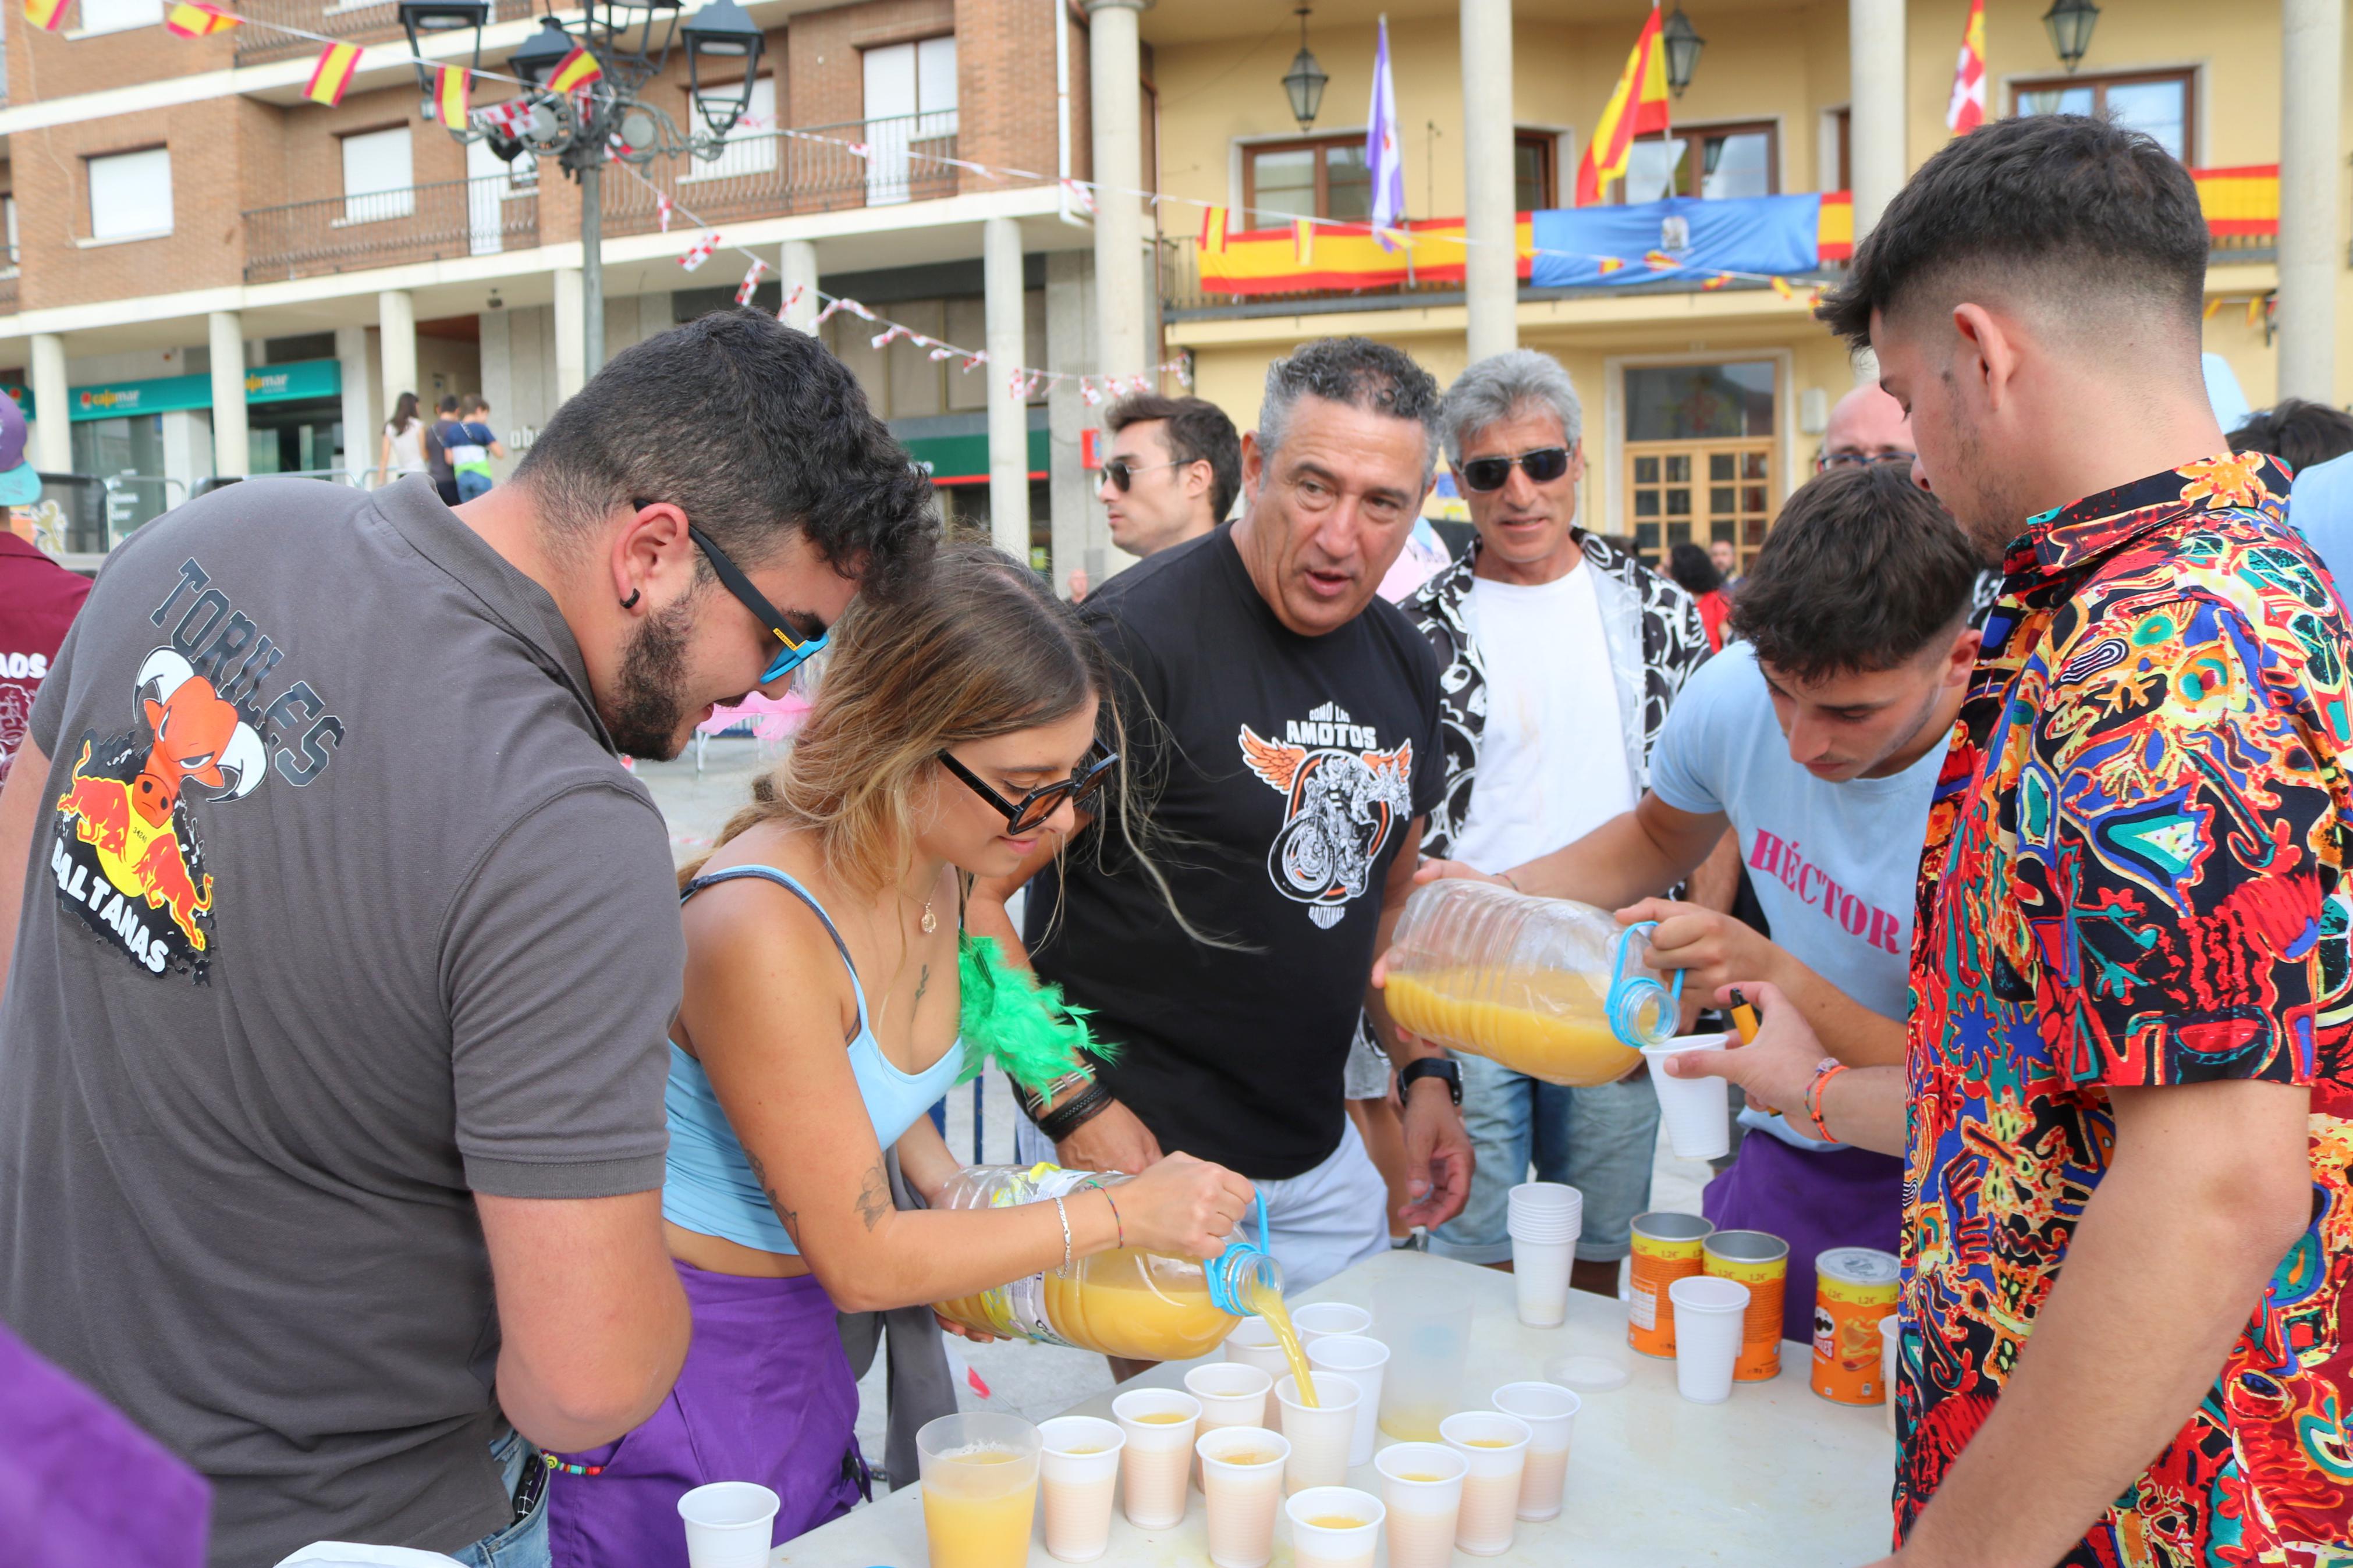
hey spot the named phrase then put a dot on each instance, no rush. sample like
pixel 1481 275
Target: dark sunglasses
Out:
pixel 1542 466
pixel 1032 809
pixel 1830 460
pixel 797 650
pixel 1122 473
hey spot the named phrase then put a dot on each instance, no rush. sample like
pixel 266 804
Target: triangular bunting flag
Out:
pixel 744 289
pixel 333 74
pixel 452 86
pixel 188 20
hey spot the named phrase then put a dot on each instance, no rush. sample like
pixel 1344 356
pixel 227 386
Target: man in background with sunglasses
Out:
pixel 1282 725
pixel 332 1049
pixel 1562 655
pixel 1175 466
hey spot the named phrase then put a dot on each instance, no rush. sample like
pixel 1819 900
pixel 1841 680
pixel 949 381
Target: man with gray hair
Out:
pixel 1282 719
pixel 1551 639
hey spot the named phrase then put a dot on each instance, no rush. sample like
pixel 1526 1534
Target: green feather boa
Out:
pixel 1009 1015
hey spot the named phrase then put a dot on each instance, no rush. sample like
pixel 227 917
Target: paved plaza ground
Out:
pixel 1027 1380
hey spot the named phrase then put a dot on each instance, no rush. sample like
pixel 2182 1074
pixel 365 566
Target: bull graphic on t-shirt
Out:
pixel 126 850
pixel 1343 806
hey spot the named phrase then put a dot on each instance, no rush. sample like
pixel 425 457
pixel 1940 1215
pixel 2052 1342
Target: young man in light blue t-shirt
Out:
pixel 1817 740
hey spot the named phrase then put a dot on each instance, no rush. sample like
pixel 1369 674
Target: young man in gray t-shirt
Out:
pixel 343 946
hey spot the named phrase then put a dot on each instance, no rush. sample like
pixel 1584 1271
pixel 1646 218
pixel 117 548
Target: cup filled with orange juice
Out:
pixel 1495 1449
pixel 980 1489
pixel 1334 1527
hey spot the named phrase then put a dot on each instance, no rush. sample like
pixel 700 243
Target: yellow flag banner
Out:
pixel 1341 255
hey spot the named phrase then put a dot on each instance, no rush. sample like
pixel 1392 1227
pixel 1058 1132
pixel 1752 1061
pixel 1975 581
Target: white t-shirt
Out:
pixel 1835 866
pixel 1551 767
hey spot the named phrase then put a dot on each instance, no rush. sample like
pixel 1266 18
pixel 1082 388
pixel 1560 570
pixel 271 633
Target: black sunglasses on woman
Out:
pixel 1032 809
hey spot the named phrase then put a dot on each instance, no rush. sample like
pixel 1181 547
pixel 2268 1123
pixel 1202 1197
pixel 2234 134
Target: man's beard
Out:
pixel 649 712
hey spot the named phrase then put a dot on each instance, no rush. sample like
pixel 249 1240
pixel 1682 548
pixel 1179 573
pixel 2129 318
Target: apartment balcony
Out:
pixel 773 173
pixel 389 228
pixel 361 24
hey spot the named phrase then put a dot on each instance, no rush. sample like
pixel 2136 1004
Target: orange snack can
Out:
pixel 1854 1288
pixel 1759 1260
pixel 1666 1248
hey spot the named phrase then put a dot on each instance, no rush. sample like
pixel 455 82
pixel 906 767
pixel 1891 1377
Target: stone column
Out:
pixel 797 269
pixel 52 432
pixel 2312 54
pixel 1491 268
pixel 226 331
pixel 1008 405
pixel 1123 336
pixel 1875 149
pixel 571 333
pixel 363 431
pixel 1081 536
pixel 395 315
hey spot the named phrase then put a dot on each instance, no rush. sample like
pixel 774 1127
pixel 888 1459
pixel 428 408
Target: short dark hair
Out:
pixel 1862 570
pixel 754 431
pixel 1693 573
pixel 2296 432
pixel 2084 206
pixel 474 402
pixel 1359 372
pixel 448 405
pixel 1198 432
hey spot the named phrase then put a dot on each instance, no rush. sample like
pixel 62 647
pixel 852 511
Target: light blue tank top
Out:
pixel 708 1188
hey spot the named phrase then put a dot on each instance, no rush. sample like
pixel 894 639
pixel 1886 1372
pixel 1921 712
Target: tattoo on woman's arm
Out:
pixel 874 1196
pixel 790 1216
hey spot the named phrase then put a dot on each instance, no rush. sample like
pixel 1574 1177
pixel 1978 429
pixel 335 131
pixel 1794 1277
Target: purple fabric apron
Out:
pixel 1842 1197
pixel 765 1395
pixel 80 1485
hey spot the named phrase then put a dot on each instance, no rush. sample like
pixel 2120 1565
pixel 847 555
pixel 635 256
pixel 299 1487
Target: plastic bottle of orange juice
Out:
pixel 1144 1306
pixel 1553 988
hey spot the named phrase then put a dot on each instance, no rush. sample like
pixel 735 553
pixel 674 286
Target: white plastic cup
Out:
pixel 1540 1276
pixel 1233 1393
pixel 1421 1486
pixel 1077 1472
pixel 1318 1541
pixel 1890 1347
pixel 1494 1447
pixel 1321 1433
pixel 1697 1111
pixel 1253 1344
pixel 1546 1211
pixel 1430 1341
pixel 729 1524
pixel 1550 1411
pixel 1326 1319
pixel 1362 1362
pixel 1708 1313
pixel 1242 1476
pixel 1158 1454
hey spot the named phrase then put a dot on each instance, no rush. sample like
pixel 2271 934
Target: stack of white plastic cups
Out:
pixel 1709 1312
pixel 1545 1220
pixel 1362 1362
pixel 1696 1111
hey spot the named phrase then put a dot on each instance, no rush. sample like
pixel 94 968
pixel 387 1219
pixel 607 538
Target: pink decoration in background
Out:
pixel 772 720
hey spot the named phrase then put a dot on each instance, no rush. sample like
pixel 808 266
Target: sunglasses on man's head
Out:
pixel 1122 473
pixel 1542 467
pixel 797 650
pixel 1032 809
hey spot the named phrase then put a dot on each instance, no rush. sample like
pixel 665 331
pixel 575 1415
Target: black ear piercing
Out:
pixel 631 601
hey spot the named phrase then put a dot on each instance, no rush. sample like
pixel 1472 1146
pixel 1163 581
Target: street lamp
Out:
pixel 630 41
pixel 1304 80
pixel 2070 24
pixel 1683 44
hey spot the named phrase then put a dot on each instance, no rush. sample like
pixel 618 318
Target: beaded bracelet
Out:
pixel 1116 1220
pixel 569 1468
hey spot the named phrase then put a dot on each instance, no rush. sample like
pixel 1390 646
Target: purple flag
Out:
pixel 1382 156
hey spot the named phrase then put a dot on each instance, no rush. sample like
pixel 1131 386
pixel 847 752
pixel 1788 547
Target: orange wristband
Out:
pixel 1829 1069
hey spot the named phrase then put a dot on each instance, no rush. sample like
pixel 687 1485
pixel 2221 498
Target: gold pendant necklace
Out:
pixel 930 921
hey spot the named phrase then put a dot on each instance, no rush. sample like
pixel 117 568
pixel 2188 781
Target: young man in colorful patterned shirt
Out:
pixel 2129 1047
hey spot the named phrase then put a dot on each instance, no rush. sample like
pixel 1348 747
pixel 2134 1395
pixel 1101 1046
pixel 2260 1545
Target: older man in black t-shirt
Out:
pixel 1281 729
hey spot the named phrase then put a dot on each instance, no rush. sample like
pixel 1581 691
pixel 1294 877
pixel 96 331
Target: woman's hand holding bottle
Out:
pixel 1181 1207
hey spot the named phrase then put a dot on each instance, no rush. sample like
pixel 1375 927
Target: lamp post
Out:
pixel 1304 80
pixel 630 41
pixel 2070 23
pixel 1683 44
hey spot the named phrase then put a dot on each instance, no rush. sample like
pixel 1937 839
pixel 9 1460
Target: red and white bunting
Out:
pixel 1016 382
pixel 664 208
pixel 976 360
pixel 701 251
pixel 507 119
pixel 942 351
pixel 884 339
pixel 791 300
pixel 1080 196
pixel 744 289
pixel 859 148
pixel 1088 391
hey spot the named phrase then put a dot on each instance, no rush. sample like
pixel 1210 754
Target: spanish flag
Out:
pixel 1302 241
pixel 1608 264
pixel 452 85
pixel 1213 230
pixel 333 74
pixel 191 21
pixel 1639 105
pixel 1781 287
pixel 578 70
pixel 1718 281
pixel 1660 261
pixel 46 15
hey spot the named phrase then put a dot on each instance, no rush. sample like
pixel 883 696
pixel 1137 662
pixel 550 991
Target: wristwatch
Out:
pixel 1432 1066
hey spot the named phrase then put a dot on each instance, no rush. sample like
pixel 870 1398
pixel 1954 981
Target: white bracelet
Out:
pixel 1064 1215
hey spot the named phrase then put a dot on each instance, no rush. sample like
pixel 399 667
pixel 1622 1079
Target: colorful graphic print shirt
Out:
pixel 2135 876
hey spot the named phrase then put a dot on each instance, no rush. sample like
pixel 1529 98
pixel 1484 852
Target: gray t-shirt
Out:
pixel 341 909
